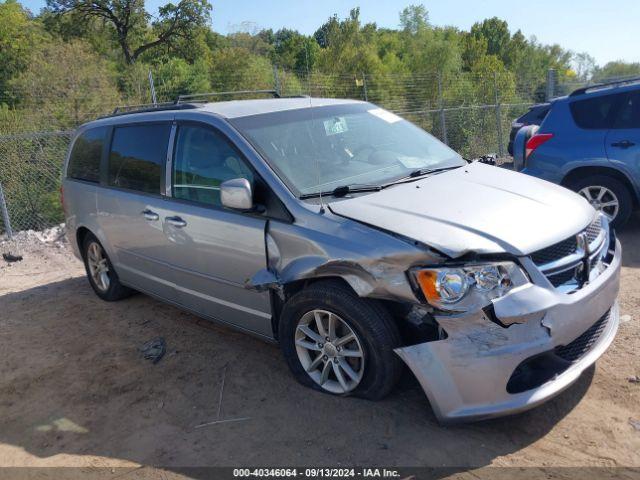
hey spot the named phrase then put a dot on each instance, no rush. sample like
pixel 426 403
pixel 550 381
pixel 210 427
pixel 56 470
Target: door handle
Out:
pixel 176 222
pixel 149 215
pixel 623 144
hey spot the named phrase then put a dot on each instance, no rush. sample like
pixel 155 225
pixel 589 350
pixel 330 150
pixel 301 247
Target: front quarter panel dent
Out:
pixel 373 268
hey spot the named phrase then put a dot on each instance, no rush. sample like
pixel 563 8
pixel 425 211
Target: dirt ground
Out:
pixel 75 391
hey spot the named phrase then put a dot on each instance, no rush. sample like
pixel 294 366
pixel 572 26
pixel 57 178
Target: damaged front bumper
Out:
pixel 483 369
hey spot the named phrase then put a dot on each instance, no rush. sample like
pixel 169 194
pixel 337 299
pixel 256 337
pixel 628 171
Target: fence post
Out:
pixel 364 88
pixel 443 121
pixel 551 84
pixel 5 214
pixel 152 87
pixel 276 81
pixel 498 115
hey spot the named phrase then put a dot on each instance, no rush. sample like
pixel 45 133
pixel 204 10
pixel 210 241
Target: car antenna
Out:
pixel 306 59
pixel 317 159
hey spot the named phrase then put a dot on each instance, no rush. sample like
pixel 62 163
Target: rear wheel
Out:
pixel 338 343
pixel 607 195
pixel 100 272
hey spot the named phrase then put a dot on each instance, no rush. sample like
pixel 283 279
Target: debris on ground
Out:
pixel 228 420
pixel 154 350
pixel 55 235
pixel 634 379
pixel 625 318
pixel 10 258
pixel 634 423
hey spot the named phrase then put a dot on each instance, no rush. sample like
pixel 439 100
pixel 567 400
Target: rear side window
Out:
pixel 137 155
pixel 595 113
pixel 84 161
pixel 629 116
pixel 535 116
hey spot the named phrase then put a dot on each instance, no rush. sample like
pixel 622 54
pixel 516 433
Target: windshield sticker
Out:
pixel 335 125
pixel 384 115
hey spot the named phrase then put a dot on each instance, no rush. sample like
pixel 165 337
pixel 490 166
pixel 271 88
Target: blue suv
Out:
pixel 589 142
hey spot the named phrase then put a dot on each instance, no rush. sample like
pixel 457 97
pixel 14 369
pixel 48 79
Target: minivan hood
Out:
pixel 474 208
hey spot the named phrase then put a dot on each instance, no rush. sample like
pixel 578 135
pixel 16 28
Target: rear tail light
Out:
pixel 535 141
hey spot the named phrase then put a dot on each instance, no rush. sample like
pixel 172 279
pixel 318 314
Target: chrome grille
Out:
pixel 593 230
pixel 564 263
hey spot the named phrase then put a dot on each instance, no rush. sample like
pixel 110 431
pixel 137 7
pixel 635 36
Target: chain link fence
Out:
pixel 471 113
pixel 30 167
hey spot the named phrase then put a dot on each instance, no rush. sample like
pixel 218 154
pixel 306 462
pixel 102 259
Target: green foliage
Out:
pixel 131 24
pixel 65 84
pixel 617 70
pixel 175 76
pixel 496 33
pixel 19 35
pixel 236 68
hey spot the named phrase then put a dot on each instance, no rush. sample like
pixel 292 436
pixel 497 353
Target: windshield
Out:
pixel 321 148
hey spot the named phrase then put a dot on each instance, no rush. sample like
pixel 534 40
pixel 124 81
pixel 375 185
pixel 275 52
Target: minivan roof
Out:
pixel 228 109
pixel 245 108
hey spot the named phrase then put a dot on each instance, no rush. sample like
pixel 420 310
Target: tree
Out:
pixel 414 19
pixel 66 84
pixel 326 30
pixel 350 47
pixel 619 69
pixel 18 36
pixel 130 21
pixel 175 77
pixel 585 65
pixel 496 32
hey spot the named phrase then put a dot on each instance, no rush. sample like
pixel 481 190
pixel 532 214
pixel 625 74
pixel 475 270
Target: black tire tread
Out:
pixel 116 290
pixel 379 325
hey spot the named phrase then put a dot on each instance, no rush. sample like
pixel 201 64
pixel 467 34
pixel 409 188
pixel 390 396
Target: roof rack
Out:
pixel 149 107
pixel 201 97
pixel 183 102
pixel 597 86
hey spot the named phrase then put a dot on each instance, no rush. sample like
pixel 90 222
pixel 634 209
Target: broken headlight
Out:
pixel 468 287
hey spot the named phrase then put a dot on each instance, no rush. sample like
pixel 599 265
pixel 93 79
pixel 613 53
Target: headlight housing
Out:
pixel 468 287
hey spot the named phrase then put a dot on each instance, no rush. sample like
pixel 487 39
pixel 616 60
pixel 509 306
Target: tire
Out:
pixel 374 330
pixel 114 289
pixel 593 183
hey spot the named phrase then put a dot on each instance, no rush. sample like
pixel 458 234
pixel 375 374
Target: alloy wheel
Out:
pixel 602 199
pixel 330 351
pixel 98 266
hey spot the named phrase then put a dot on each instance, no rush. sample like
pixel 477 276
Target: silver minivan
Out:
pixel 354 239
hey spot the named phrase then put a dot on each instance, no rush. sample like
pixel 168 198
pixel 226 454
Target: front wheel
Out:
pixel 338 343
pixel 607 195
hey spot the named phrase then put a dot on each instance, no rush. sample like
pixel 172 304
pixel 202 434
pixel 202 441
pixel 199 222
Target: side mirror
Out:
pixel 520 146
pixel 237 194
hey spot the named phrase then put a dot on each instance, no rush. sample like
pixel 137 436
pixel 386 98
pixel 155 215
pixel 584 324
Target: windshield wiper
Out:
pixel 421 172
pixel 344 190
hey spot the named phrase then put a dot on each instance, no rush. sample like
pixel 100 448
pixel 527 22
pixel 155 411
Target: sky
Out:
pixel 607 30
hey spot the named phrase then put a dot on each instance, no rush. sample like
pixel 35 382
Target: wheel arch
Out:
pixel 619 175
pixel 289 289
pixel 81 234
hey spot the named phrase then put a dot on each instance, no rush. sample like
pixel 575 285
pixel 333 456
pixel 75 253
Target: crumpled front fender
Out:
pixel 465 375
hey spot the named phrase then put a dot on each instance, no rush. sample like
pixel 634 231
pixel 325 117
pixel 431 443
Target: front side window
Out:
pixel 322 148
pixel 137 155
pixel 84 161
pixel 204 159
